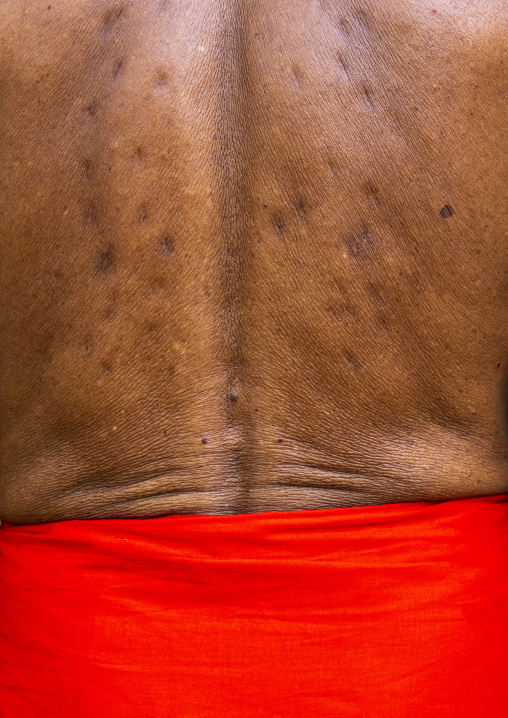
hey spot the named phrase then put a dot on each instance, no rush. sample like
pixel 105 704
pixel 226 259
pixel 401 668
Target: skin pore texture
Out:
pixel 254 255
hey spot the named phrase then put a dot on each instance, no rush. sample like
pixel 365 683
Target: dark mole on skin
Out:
pixel 204 440
pixel 447 211
pixel 233 396
pixel 166 246
pixel 93 108
pixel 106 259
pixel 278 223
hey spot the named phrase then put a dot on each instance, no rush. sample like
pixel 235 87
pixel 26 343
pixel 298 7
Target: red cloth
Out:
pixel 391 611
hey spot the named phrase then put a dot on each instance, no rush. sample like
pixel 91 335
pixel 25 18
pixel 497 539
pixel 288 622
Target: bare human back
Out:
pixel 254 255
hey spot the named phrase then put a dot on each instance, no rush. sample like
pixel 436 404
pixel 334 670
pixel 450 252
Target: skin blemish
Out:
pixel 204 440
pixel 446 211
pixel 110 18
pixel 372 193
pixel 332 309
pixel 150 327
pixel 157 286
pixel 106 260
pixel 280 440
pixel 363 20
pixel 166 246
pixel 359 245
pixel 161 80
pixel 352 362
pixel 333 166
pixel 343 67
pixel 301 208
pixel 278 223
pixel 376 292
pixel 87 168
pixel 297 77
pixel 90 215
pixel 139 155
pixel 383 322
pixel 93 108
pixel 106 367
pixel 233 396
pixel 142 213
pixel 117 68
pixel 368 96
pixel 344 26
pixel 110 312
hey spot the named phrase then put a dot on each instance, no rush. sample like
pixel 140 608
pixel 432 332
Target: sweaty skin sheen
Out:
pixel 254 254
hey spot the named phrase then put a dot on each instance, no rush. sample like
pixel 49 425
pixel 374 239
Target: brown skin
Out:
pixel 254 255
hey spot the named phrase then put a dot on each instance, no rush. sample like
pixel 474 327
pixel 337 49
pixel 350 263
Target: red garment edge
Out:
pixel 391 611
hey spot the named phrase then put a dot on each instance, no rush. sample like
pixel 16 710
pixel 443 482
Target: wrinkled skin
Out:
pixel 254 255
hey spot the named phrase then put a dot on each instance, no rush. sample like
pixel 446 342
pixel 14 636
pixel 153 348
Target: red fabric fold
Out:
pixel 391 611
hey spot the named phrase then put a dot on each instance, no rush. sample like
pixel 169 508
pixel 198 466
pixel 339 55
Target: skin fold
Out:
pixel 254 255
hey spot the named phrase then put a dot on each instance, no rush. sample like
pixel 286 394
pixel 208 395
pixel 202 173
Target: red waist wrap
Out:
pixel 391 611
